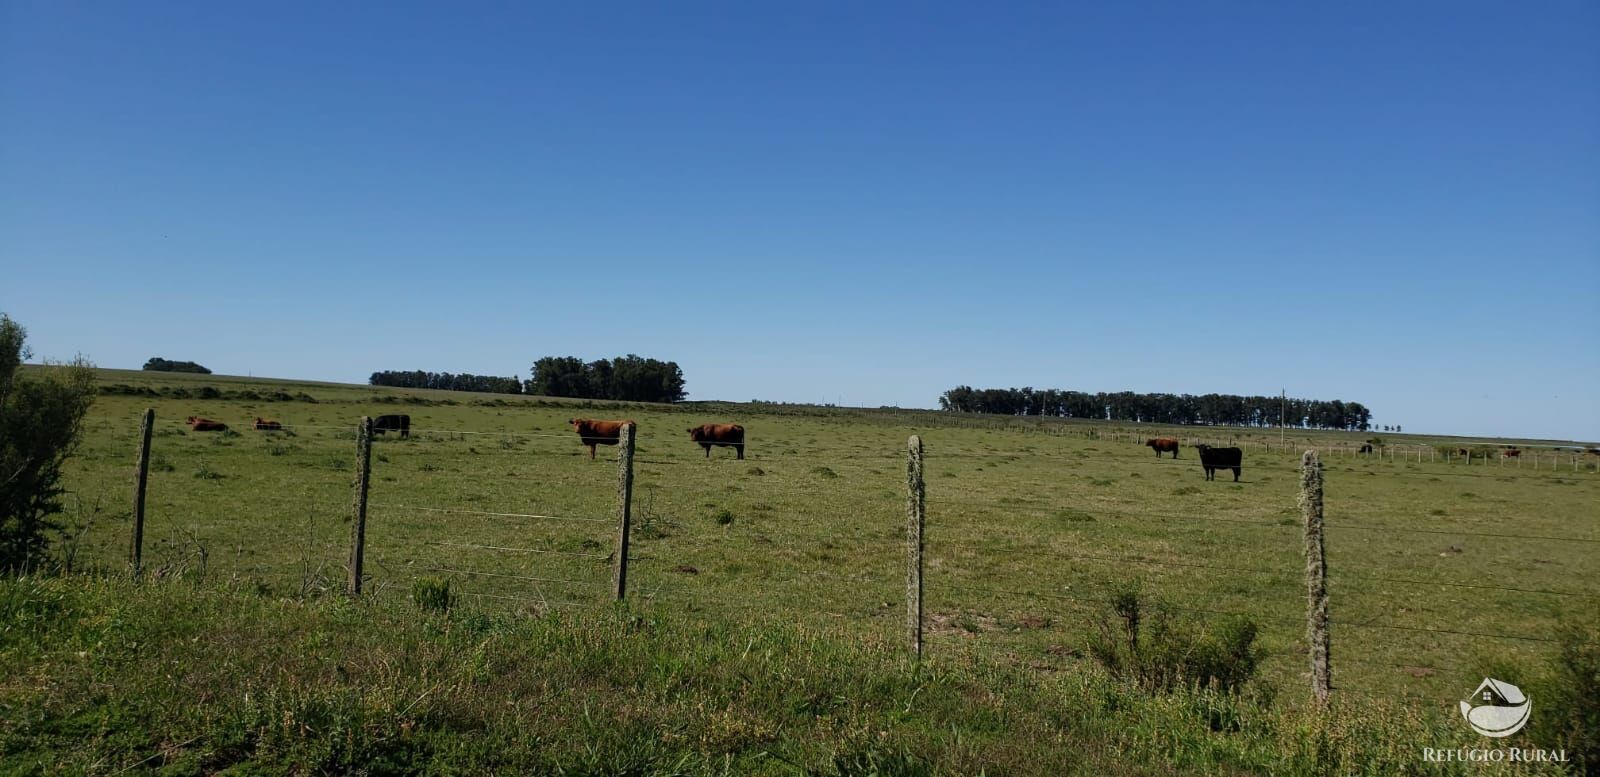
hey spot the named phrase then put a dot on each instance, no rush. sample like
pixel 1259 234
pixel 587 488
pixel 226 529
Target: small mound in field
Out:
pixel 1185 490
pixel 824 472
pixel 723 517
pixel 755 471
pixel 1075 516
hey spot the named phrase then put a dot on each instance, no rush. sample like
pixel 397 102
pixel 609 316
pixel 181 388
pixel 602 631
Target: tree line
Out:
pixel 158 364
pixel 488 384
pixel 1201 410
pixel 630 378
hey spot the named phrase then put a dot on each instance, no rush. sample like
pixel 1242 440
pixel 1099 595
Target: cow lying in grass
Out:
pixel 199 424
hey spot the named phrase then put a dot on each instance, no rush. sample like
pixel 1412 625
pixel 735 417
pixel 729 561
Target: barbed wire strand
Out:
pixel 1395 627
pixel 511 576
pixel 520 550
pixel 1104 601
pixel 1270 572
pixel 455 511
pixel 1462 533
pixel 1150 562
pixel 1448 584
pixel 541 601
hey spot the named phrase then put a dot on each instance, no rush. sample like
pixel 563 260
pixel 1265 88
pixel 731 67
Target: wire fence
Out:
pixel 576 563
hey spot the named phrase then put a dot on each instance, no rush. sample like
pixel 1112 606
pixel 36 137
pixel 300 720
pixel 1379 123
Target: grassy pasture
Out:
pixel 1030 525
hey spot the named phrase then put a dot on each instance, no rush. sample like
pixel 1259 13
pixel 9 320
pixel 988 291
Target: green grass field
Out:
pixel 1030 525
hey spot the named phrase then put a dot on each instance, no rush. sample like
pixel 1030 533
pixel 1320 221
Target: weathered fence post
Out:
pixel 136 544
pixel 1316 575
pixel 619 568
pixel 916 520
pixel 358 530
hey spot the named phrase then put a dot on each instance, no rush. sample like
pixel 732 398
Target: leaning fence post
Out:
pixel 358 531
pixel 136 544
pixel 1316 575
pixel 916 520
pixel 624 509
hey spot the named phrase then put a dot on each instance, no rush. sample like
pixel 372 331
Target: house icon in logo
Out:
pixel 1496 709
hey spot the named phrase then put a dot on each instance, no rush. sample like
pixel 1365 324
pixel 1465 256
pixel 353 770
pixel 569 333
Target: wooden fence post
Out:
pixel 1316 575
pixel 136 544
pixel 916 520
pixel 619 569
pixel 358 530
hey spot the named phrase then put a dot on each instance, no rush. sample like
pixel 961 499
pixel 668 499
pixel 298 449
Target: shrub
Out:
pixel 40 418
pixel 432 594
pixel 1147 645
pixel 1569 694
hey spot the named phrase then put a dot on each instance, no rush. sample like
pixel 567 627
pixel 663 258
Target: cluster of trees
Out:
pixel 40 417
pixel 488 384
pixel 1206 409
pixel 158 364
pixel 631 378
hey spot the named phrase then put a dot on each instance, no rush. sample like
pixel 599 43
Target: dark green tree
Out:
pixel 158 364
pixel 41 414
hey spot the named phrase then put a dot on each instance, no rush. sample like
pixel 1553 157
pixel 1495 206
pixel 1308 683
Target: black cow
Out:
pixel 392 423
pixel 1214 459
pixel 1366 448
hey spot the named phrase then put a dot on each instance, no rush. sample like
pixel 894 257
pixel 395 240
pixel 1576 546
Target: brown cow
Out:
pixel 593 432
pixel 267 425
pixel 1164 445
pixel 1510 453
pixel 206 425
pixel 707 435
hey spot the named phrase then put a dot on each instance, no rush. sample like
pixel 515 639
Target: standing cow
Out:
pixel 1365 448
pixel 1163 445
pixel 1214 459
pixel 731 435
pixel 393 423
pixel 593 432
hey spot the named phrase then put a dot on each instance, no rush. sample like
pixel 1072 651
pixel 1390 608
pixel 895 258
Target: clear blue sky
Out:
pixel 1396 203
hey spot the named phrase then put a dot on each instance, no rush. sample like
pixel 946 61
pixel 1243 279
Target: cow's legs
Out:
pixel 591 451
pixel 740 449
pixel 707 446
pixel 1236 474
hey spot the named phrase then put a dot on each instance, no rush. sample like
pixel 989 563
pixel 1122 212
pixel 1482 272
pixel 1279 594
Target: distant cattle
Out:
pixel 1594 451
pixel 593 432
pixel 731 435
pixel 1163 445
pixel 1214 459
pixel 1367 448
pixel 206 425
pixel 266 425
pixel 1510 453
pixel 393 423
pixel 1463 452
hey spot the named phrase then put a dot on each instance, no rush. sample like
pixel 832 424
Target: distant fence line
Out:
pixel 1318 621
